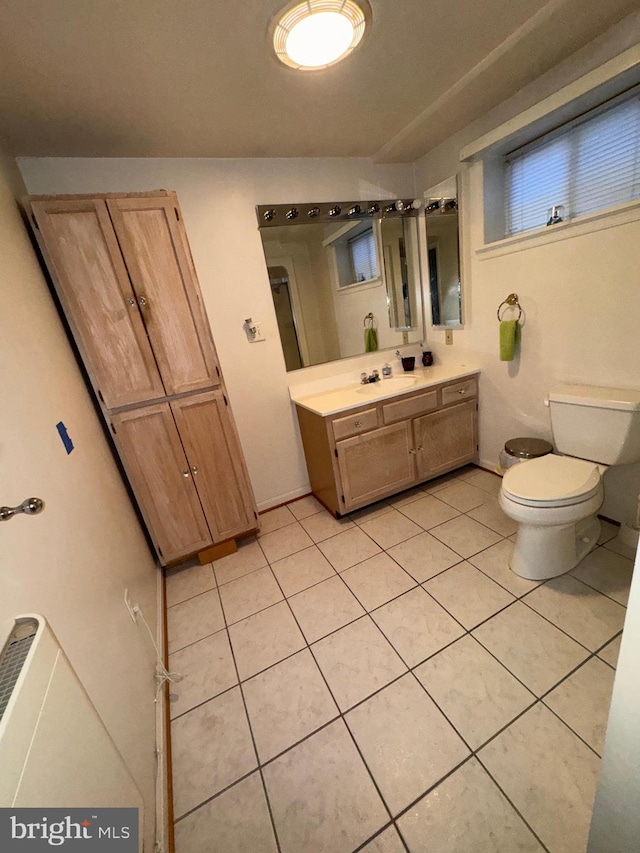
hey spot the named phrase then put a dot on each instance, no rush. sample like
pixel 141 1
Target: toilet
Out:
pixel 555 498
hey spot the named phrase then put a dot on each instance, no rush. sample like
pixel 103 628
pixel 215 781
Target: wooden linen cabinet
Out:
pixel 123 272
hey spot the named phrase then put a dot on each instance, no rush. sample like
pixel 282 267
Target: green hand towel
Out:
pixel 509 337
pixel 370 339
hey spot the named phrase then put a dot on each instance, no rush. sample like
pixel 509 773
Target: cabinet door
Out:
pixel 155 251
pixel 155 462
pixel 91 279
pixel 217 463
pixel 376 464
pixel 445 439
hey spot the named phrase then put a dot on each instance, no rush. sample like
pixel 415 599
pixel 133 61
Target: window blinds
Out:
pixel 363 256
pixel 588 165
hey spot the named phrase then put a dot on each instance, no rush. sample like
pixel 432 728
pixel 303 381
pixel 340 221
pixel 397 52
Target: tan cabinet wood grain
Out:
pixel 151 239
pixel 84 258
pixel 445 439
pixel 155 462
pixel 376 464
pixel 217 465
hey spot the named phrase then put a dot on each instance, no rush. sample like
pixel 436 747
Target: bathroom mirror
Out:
pixel 344 283
pixel 443 254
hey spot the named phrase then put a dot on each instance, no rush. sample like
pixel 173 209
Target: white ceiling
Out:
pixel 196 78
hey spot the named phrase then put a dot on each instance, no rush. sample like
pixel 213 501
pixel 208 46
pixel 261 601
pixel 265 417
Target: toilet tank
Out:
pixel 595 423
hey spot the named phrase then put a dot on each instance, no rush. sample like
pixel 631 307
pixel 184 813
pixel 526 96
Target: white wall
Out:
pixel 218 198
pixel 615 825
pixel 580 296
pixel 71 563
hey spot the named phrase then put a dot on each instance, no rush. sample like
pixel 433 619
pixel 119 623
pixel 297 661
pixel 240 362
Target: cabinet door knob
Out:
pixel 357 423
pixel 412 451
pixel 194 468
pixel 142 301
pixel 462 391
pixel 185 473
pixel 131 301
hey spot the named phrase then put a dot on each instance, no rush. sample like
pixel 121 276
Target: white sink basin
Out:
pixel 387 386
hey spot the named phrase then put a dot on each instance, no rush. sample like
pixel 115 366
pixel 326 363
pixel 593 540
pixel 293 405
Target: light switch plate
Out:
pixel 448 336
pixel 258 335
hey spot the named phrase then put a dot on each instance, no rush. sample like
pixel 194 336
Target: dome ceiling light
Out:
pixel 315 34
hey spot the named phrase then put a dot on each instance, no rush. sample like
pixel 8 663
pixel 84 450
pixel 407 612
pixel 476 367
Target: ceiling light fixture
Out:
pixel 315 34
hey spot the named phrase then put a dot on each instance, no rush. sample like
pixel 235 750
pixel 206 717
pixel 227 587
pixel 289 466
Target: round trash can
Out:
pixel 522 449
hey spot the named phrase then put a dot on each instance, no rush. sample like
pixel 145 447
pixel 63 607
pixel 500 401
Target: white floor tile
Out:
pixel 348 548
pixel 247 558
pixel 494 561
pixel 535 651
pixel 194 619
pixel 583 701
pixel 284 541
pixel 322 797
pixel 237 821
pixel 274 519
pixel 493 517
pixel 264 639
pixel 416 626
pixel 424 556
pixel 478 695
pixel 467 813
pixel 304 507
pixel 611 651
pixel 463 496
pixel 324 608
pixel 186 583
pixel 207 669
pixel 322 525
pixel 607 572
pixel 302 570
pixel 406 741
pixel 357 661
pixel 429 511
pixel 468 595
pixel 286 703
pixel 585 614
pixel 392 527
pixel 549 775
pixel 211 748
pixel 465 536
pixel 377 580
pixel 249 594
pixel 387 842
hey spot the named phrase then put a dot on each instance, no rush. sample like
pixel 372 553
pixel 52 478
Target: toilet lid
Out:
pixel 551 478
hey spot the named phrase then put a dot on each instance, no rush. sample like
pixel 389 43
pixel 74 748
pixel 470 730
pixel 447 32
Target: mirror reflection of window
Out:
pixel 326 276
pixel 364 260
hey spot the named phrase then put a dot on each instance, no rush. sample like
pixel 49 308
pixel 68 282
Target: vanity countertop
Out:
pixel 352 395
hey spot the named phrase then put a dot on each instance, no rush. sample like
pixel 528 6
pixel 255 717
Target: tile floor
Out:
pixel 385 683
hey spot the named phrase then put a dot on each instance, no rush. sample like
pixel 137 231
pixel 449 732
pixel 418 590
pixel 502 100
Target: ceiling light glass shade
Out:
pixel 314 34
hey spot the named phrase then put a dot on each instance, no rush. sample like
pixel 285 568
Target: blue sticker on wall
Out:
pixel 64 437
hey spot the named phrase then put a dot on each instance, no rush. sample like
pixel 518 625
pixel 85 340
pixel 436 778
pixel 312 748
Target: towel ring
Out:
pixel 371 320
pixel 512 302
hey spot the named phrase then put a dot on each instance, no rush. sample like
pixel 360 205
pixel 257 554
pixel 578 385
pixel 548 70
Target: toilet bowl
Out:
pixel 555 500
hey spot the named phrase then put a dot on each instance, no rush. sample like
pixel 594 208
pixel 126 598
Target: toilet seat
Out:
pixel 552 481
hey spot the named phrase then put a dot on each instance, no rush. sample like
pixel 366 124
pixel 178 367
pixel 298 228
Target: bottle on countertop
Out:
pixel 386 370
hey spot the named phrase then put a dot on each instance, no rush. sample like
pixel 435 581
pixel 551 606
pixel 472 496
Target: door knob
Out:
pixel 131 301
pixel 30 506
pixel 185 473
pixel 194 469
pixel 142 301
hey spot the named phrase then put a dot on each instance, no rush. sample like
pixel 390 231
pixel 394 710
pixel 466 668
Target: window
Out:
pixel 364 261
pixel 587 165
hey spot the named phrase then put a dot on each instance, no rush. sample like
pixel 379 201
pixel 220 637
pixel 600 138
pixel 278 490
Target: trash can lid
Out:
pixel 528 448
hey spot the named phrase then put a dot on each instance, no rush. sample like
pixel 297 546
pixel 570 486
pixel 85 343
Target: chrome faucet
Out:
pixel 373 377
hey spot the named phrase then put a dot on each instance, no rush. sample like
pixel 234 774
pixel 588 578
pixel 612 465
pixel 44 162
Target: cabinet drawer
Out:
pixel 410 407
pixel 459 391
pixel 353 424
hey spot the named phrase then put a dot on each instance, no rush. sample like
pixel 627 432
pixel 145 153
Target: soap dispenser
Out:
pixel 386 370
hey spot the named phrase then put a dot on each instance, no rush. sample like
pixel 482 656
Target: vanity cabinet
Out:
pixel 123 272
pixel 377 450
